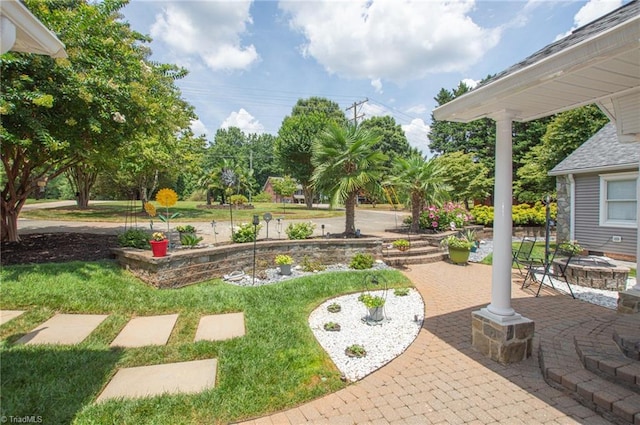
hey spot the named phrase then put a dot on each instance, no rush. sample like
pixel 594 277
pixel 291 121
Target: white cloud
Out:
pixel 199 128
pixel 417 135
pixel 377 84
pixel 372 110
pixel 417 109
pixel 244 121
pixel 394 40
pixel 591 11
pixel 208 30
pixel 471 83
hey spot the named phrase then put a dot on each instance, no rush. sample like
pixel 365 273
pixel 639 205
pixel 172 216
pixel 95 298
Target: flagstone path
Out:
pixel 6 315
pixel 142 381
pixel 145 381
pixel 142 331
pixel 64 329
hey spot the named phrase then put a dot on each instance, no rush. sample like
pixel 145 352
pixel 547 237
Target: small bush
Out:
pixel 302 230
pixel 238 199
pixel 190 240
pixel 262 197
pixel 522 214
pixel 334 308
pixel 361 261
pixel 245 233
pixel 186 229
pixel 309 265
pixel 134 238
pixel 198 195
pixel 401 292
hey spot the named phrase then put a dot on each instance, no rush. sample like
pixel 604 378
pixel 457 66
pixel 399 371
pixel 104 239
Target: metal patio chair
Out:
pixel 553 268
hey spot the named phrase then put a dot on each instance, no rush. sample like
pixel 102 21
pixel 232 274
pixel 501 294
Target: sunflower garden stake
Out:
pixel 167 198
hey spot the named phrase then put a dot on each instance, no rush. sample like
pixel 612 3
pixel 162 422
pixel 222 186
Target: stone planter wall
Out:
pixel 184 267
pixel 612 278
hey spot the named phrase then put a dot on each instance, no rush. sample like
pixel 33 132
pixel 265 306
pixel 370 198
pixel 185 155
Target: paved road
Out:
pixel 370 222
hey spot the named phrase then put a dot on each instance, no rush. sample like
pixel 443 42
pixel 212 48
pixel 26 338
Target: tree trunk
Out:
pixel 416 207
pixel 82 177
pixel 308 196
pixel 350 214
pixel 10 213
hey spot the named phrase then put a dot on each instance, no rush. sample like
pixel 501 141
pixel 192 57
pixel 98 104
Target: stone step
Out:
pixel 561 361
pixel 412 252
pixel 606 360
pixel 418 259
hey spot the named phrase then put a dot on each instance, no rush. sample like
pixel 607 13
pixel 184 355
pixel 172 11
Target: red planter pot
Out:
pixel 159 248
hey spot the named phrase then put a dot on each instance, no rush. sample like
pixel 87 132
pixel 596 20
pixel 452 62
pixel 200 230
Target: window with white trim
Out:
pixel 619 200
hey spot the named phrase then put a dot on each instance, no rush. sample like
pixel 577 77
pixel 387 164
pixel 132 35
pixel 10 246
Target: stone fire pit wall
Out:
pixel 186 266
pixel 610 277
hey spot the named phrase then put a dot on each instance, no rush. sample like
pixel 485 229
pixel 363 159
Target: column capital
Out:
pixel 504 115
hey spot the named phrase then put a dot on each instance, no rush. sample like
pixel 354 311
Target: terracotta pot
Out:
pixel 159 248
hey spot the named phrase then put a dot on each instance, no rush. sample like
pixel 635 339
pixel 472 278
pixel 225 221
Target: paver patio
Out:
pixel 145 381
pixel 64 329
pixel 6 315
pixel 142 331
pixel 219 327
pixel 440 378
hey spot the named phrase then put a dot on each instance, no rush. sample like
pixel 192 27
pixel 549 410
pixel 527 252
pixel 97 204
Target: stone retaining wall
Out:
pixel 186 266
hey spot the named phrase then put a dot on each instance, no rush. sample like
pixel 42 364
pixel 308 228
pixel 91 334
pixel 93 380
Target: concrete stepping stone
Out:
pixel 172 378
pixel 219 327
pixel 143 331
pixel 6 315
pixel 64 329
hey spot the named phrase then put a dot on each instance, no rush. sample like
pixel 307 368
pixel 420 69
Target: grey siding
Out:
pixel 588 231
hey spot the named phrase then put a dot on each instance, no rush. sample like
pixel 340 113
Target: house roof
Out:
pixel 602 152
pixel 23 32
pixel 597 63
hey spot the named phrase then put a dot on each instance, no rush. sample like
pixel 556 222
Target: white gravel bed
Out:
pixel 383 342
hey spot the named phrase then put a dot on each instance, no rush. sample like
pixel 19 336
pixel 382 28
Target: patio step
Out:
pixel 421 251
pixel 415 259
pixel 583 359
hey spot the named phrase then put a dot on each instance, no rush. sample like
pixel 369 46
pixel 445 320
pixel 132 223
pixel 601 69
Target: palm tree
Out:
pixel 423 181
pixel 345 165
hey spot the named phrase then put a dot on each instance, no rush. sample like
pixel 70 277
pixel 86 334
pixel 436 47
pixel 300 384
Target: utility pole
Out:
pixel 355 111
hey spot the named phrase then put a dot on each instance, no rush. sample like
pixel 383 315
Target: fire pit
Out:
pixel 595 272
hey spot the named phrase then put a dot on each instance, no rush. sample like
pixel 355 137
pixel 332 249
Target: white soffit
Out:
pixel 31 36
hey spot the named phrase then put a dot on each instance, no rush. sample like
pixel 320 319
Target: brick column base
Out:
pixel 508 342
pixel 629 301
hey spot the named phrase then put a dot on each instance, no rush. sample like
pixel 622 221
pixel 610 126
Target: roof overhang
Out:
pixel 603 68
pixel 610 169
pixel 23 32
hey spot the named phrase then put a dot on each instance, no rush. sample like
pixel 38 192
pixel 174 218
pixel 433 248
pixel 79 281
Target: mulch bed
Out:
pixel 57 248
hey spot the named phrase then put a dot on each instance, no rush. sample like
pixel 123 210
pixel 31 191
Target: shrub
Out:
pixel 186 229
pixel 361 261
pixel 522 214
pixel 198 195
pixel 454 241
pixel 371 301
pixel 190 240
pixel 401 244
pixel 245 233
pixel 440 218
pixel 309 265
pixel 283 259
pixel 262 197
pixel 238 199
pixel 302 230
pixel 134 238
pixel 401 292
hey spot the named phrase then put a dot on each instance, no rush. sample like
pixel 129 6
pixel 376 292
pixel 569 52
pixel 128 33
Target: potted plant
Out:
pixel 159 244
pixel 284 262
pixel 459 248
pixel 401 244
pixel 470 235
pixel 375 304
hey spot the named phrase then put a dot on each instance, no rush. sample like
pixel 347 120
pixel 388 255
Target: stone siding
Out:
pixel 188 266
pixel 563 217
pixel 504 343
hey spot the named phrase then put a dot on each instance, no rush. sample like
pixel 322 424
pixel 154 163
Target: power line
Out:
pixel 355 106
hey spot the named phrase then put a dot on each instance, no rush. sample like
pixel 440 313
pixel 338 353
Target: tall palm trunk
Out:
pixel 416 208
pixel 350 213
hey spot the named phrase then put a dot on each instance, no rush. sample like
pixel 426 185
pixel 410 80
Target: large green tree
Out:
pixel 393 141
pixel 422 180
pixel 64 113
pixel 346 164
pixel 468 179
pixel 564 134
pixel 293 147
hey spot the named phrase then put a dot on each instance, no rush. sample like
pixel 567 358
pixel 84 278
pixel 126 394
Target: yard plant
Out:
pixel 276 365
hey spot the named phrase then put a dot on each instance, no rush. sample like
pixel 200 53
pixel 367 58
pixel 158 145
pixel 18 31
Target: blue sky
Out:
pixel 250 61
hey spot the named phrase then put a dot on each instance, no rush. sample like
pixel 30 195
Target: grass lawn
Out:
pixel 276 365
pixel 116 211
